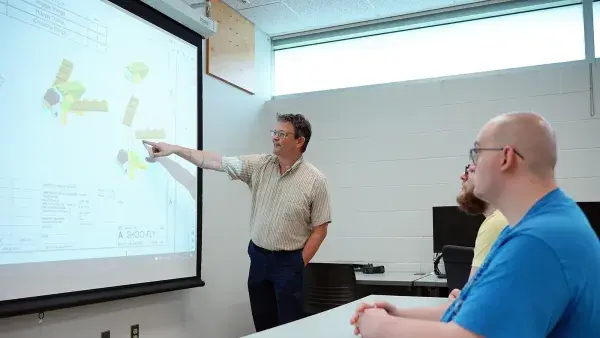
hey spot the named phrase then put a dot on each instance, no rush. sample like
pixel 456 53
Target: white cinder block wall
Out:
pixel 221 309
pixel 393 151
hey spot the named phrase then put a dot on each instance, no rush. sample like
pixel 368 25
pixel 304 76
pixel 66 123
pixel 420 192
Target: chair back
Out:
pixel 457 261
pixel 328 285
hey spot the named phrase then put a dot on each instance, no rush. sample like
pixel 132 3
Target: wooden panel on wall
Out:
pixel 230 52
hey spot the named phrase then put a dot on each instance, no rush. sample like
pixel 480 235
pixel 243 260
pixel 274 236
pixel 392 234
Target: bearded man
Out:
pixel 494 222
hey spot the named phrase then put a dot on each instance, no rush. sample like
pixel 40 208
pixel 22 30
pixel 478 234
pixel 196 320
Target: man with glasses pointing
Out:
pixel 289 215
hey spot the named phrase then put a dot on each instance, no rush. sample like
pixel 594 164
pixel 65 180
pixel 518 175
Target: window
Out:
pixel 511 41
pixel 596 14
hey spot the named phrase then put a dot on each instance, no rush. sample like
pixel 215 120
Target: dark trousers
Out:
pixel 275 286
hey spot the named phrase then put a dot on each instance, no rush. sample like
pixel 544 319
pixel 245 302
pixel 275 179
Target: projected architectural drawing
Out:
pixel 136 72
pixel 64 72
pixel 149 134
pixel 130 161
pixel 83 104
pixel 68 21
pixel 130 111
pixel 65 96
pixel 127 158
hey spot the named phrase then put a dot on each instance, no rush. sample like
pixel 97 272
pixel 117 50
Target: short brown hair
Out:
pixel 302 127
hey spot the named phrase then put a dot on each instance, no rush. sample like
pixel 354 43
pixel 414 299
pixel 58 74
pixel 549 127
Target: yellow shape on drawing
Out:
pixel 135 163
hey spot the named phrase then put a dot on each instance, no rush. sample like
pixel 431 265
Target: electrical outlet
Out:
pixel 105 334
pixel 135 331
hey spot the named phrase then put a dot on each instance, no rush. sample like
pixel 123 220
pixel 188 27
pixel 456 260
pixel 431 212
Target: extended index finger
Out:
pixel 152 144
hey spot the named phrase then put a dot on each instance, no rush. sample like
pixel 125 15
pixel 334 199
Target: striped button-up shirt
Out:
pixel 285 207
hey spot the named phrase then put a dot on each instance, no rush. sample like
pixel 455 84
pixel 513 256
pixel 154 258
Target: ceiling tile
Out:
pixel 388 8
pixel 280 17
pixel 327 13
pixel 237 4
pixel 274 19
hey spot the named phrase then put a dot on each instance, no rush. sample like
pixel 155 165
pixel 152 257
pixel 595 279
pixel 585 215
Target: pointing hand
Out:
pixel 158 149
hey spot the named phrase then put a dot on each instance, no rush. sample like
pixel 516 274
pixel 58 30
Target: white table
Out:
pixel 387 278
pixel 336 323
pixel 431 280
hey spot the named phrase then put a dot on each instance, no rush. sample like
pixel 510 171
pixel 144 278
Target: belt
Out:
pixel 266 251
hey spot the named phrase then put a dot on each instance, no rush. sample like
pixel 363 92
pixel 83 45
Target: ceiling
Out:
pixel 281 17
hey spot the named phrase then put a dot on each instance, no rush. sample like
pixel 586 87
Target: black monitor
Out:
pixel 592 211
pixel 452 226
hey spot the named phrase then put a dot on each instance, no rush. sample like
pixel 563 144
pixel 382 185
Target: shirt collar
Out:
pixel 294 166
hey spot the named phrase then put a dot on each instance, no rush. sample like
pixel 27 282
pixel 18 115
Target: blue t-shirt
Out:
pixel 540 279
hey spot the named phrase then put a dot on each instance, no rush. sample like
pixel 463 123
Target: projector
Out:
pixel 186 15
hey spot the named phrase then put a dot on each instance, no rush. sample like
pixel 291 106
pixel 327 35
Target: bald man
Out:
pixel 542 275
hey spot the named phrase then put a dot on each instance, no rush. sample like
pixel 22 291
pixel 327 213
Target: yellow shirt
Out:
pixel 486 236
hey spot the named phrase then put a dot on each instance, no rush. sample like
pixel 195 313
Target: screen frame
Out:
pixel 40 304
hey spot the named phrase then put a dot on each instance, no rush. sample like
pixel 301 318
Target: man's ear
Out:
pixel 508 160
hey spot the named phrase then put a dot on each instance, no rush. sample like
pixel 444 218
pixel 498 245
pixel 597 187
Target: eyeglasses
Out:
pixel 468 170
pixel 280 133
pixel 474 153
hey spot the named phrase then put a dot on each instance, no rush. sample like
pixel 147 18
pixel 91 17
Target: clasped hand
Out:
pixel 369 317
